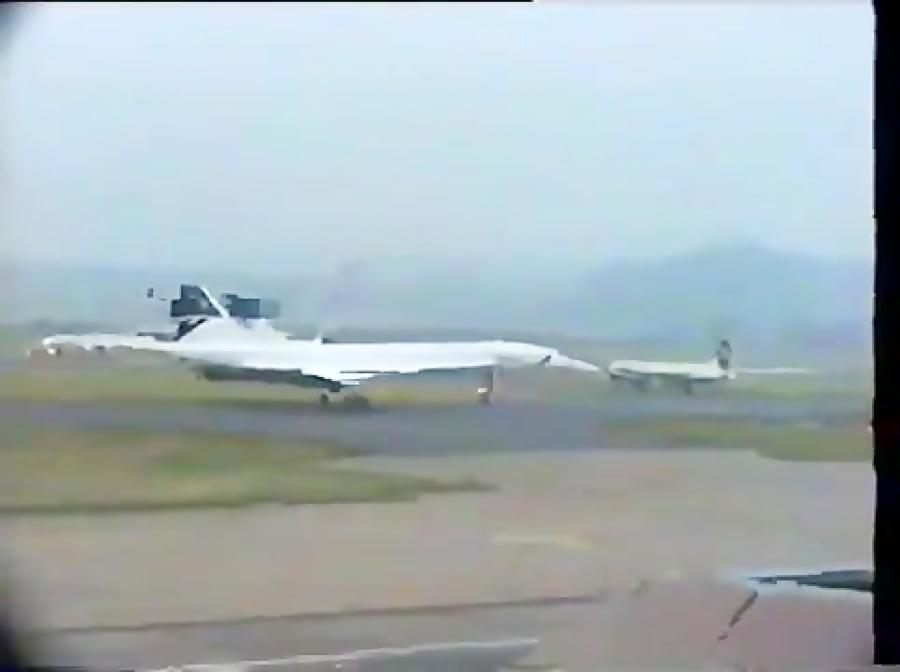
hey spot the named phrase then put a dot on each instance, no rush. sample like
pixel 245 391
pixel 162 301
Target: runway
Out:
pixel 694 623
pixel 434 430
pixel 278 638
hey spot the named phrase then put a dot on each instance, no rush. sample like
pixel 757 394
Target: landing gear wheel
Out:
pixel 324 400
pixel 357 401
pixel 487 389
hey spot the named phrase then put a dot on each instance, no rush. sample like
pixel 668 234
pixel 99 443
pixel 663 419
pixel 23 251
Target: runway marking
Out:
pixel 510 649
pixel 568 541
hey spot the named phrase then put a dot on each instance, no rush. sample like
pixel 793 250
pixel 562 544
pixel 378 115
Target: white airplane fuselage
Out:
pixel 225 349
pixel 367 358
pixel 685 375
pixel 222 347
pixel 698 371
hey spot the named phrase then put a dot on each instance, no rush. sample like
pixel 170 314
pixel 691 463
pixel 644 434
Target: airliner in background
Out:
pixel 643 374
pixel 220 346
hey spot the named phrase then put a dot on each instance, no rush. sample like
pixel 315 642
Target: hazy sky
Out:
pixel 305 136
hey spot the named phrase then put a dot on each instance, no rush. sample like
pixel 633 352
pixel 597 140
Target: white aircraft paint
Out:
pixel 225 348
pixel 687 374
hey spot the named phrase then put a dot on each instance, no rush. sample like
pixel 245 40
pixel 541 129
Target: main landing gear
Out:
pixel 349 401
pixel 642 385
pixel 486 391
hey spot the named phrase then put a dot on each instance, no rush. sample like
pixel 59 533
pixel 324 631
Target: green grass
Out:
pixel 46 469
pixel 95 380
pixel 13 342
pixel 849 384
pixel 807 443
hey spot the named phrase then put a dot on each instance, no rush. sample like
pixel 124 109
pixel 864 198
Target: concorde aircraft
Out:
pixel 221 347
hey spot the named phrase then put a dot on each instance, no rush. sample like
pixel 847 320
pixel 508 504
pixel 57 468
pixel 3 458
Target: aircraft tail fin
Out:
pixel 199 314
pixel 196 301
pixel 214 302
pixel 723 355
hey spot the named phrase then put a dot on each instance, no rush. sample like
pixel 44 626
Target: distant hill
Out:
pixel 746 292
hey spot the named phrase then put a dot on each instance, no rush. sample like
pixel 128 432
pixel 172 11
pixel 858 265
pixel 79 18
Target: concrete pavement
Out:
pixel 557 525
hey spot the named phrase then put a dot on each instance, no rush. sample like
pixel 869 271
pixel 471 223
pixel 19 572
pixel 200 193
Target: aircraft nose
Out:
pixel 562 361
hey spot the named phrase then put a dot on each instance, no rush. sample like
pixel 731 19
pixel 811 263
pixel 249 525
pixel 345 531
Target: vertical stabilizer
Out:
pixel 723 355
pixel 214 302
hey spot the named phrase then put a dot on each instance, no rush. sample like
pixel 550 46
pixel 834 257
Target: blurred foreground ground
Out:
pixel 605 533
pixel 592 526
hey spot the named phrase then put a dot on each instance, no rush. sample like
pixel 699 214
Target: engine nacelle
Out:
pixel 223 373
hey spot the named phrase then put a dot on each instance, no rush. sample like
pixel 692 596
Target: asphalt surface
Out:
pixel 278 638
pixel 681 624
pixel 415 431
pixel 567 629
pixel 506 426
